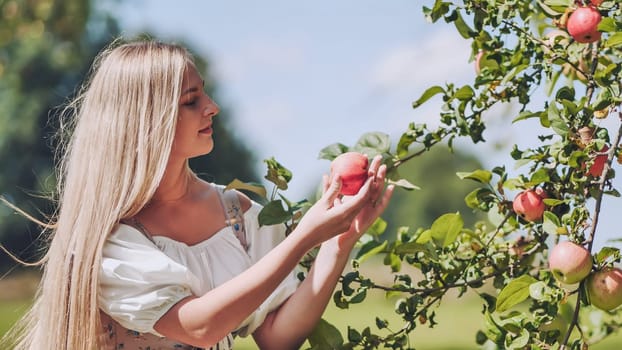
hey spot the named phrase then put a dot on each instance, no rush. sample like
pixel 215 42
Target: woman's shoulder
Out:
pixel 127 234
pixel 245 201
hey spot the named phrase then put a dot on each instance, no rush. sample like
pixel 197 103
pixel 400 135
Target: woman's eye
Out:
pixel 190 103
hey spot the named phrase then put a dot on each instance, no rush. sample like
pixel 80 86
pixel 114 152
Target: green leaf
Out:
pixel 378 227
pixel 565 93
pixel 607 24
pixel 514 292
pixel 247 186
pixel 462 27
pixel 273 213
pixel 526 115
pixel 393 260
pixel 607 253
pixel 405 184
pixel 425 237
pixel 482 176
pixel 475 197
pixel 560 3
pixel 428 94
pixel 538 291
pixel 331 152
pixel 519 342
pixel 553 202
pixel 411 248
pixel 373 143
pixel 359 297
pixel 339 300
pixel 325 336
pixel 539 176
pixel 557 123
pixel 353 335
pixel 438 11
pixel 492 329
pixel 446 228
pixel 551 224
pixel 465 93
pixel 370 249
pixel 614 40
pixel 552 10
pixel 346 280
pixel 277 173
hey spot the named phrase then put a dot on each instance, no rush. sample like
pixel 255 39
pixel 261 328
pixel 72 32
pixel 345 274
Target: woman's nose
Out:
pixel 212 108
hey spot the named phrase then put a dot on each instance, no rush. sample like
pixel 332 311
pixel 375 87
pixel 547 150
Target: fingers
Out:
pixel 386 197
pixel 375 165
pixel 325 183
pixel 331 188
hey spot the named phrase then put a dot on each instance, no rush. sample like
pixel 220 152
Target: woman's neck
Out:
pixel 175 185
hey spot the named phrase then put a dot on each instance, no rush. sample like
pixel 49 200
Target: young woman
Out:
pixel 141 251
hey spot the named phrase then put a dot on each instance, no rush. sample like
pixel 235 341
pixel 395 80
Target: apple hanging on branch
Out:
pixel 529 204
pixel 604 288
pixel 352 167
pixel 598 166
pixel 570 262
pixel 583 23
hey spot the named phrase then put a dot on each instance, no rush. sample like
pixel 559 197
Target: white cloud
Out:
pixel 441 57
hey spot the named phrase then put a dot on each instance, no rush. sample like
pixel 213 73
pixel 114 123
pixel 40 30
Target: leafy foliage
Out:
pixel 519 47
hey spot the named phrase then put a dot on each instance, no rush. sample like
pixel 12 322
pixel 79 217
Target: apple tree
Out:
pixel 559 63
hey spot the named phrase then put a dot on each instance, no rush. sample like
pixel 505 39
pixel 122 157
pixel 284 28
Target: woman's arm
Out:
pixel 203 321
pixel 289 325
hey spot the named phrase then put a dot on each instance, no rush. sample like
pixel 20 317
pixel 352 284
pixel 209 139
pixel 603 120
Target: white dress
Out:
pixel 140 280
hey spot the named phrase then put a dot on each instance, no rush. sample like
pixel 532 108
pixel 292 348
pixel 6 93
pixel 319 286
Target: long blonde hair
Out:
pixel 121 131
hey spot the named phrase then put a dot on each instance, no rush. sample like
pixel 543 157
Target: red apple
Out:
pixel 597 167
pixel 583 23
pixel 604 288
pixel 529 204
pixel 352 167
pixel 570 262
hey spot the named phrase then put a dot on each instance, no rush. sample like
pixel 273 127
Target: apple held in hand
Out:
pixel 352 167
pixel 570 262
pixel 529 204
pixel 583 24
pixel 604 288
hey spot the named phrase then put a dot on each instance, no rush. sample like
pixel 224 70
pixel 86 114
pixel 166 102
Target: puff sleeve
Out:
pixel 262 240
pixel 138 282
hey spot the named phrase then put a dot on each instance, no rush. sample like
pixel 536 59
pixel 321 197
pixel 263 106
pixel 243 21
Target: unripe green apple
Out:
pixel 570 262
pixel 352 167
pixel 604 288
pixel 529 204
pixel 583 23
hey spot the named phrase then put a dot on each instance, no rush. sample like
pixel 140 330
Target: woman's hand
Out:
pixel 347 216
pixel 378 199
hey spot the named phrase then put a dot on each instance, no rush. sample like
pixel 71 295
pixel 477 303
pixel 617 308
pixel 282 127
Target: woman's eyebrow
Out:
pixel 194 88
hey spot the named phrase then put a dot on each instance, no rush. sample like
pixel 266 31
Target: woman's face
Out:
pixel 193 136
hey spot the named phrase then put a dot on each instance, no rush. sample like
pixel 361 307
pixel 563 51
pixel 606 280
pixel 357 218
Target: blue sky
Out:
pixel 298 76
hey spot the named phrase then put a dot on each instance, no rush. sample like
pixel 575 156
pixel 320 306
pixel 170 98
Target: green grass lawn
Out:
pixel 458 321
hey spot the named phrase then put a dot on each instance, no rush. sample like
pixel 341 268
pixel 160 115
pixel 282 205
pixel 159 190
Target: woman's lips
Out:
pixel 206 130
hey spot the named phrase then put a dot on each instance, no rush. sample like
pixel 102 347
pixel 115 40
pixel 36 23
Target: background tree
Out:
pixel 46 48
pixel 440 190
